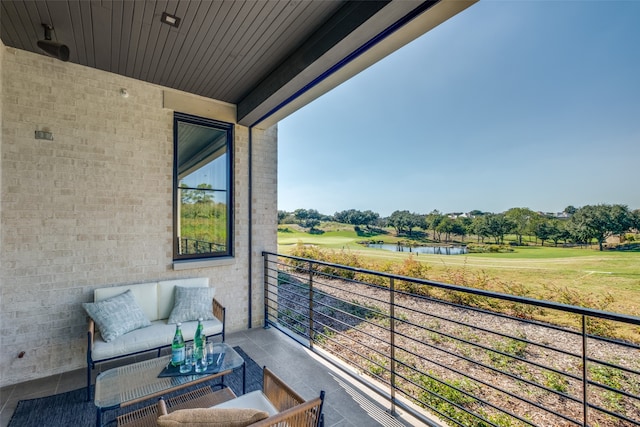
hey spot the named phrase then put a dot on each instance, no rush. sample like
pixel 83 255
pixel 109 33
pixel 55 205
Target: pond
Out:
pixel 436 250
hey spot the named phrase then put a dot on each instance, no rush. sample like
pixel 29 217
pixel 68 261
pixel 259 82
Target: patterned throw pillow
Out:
pixel 117 315
pixel 191 304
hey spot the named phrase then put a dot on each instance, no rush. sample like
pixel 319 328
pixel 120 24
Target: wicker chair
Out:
pixel 291 409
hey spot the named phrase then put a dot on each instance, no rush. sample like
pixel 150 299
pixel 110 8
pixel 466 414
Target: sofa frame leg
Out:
pixel 88 383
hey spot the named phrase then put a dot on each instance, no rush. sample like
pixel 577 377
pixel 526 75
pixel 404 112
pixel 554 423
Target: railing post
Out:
pixel 265 285
pixel 310 304
pixel 585 404
pixel 392 330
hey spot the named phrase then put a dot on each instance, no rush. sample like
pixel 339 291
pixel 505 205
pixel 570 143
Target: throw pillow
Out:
pixel 212 417
pixel 191 304
pixel 117 315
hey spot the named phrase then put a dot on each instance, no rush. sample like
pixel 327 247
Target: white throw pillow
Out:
pixel 117 315
pixel 192 303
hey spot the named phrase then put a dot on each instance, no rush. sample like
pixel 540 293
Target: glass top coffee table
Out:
pixel 129 384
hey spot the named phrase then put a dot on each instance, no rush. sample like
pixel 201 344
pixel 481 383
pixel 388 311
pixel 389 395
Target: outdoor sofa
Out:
pixel 142 317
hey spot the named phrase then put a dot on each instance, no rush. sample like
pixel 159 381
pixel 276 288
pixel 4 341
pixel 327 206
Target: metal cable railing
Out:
pixel 470 364
pixel 187 246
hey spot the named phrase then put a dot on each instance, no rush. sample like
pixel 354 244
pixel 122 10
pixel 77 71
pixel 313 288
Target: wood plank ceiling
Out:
pixel 253 54
pixel 219 50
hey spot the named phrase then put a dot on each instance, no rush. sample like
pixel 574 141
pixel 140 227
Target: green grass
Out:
pixel 334 239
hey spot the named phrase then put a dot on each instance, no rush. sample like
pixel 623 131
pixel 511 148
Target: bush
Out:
pixel 313 252
pixel 596 326
pixel 490 248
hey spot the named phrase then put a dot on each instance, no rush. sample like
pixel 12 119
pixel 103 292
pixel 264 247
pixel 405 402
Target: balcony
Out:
pixel 393 351
pixel 468 356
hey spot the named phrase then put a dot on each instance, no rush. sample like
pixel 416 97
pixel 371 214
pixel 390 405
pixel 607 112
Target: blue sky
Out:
pixel 508 104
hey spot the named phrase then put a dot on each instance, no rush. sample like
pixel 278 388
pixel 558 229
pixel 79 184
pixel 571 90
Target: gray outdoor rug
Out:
pixel 72 408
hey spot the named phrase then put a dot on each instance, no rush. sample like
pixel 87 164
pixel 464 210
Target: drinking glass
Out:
pixel 188 359
pixel 201 359
pixel 210 352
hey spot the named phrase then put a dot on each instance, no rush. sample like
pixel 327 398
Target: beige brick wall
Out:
pixel 93 207
pixel 264 209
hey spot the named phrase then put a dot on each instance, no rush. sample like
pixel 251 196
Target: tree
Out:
pixel 559 231
pixel 342 217
pixel 498 225
pixel 446 226
pixel 404 221
pixel 307 218
pixel 462 226
pixel 382 222
pixel 636 220
pixel 370 218
pixel 622 221
pixel 300 214
pixel 570 210
pixel 480 227
pixel 192 196
pixel 356 217
pixel 310 223
pixel 431 222
pixel 199 203
pixel 399 220
pixel 578 231
pixel 521 220
pixel 600 222
pixel 282 215
pixel 415 221
pixel 543 230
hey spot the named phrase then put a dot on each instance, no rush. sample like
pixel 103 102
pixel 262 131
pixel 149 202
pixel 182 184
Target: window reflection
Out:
pixel 202 163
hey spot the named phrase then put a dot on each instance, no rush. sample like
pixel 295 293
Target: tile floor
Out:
pixel 347 402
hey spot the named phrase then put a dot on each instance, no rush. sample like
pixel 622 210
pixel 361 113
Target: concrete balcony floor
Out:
pixel 347 402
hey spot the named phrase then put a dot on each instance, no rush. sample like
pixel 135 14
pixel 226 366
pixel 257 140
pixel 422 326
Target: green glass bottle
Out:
pixel 177 347
pixel 198 342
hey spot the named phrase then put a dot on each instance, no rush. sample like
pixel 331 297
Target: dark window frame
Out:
pixel 228 129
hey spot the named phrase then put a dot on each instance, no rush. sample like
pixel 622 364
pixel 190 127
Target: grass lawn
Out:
pixel 581 276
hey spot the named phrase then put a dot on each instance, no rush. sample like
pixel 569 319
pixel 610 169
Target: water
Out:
pixel 436 250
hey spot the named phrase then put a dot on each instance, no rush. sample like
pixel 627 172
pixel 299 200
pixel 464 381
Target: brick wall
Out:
pixel 93 207
pixel 264 209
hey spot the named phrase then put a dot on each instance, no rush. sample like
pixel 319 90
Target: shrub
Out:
pixel 442 394
pixel 596 326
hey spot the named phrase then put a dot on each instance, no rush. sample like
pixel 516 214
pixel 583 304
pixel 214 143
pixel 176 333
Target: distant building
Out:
pixel 455 215
pixel 558 215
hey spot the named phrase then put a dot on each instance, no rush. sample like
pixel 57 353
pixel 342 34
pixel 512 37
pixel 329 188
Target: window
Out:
pixel 202 188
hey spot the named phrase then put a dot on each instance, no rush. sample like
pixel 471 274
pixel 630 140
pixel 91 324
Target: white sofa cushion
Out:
pixel 159 334
pixel 255 400
pixel 145 294
pixel 166 293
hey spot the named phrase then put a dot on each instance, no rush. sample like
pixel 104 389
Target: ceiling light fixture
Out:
pixel 55 49
pixel 174 21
